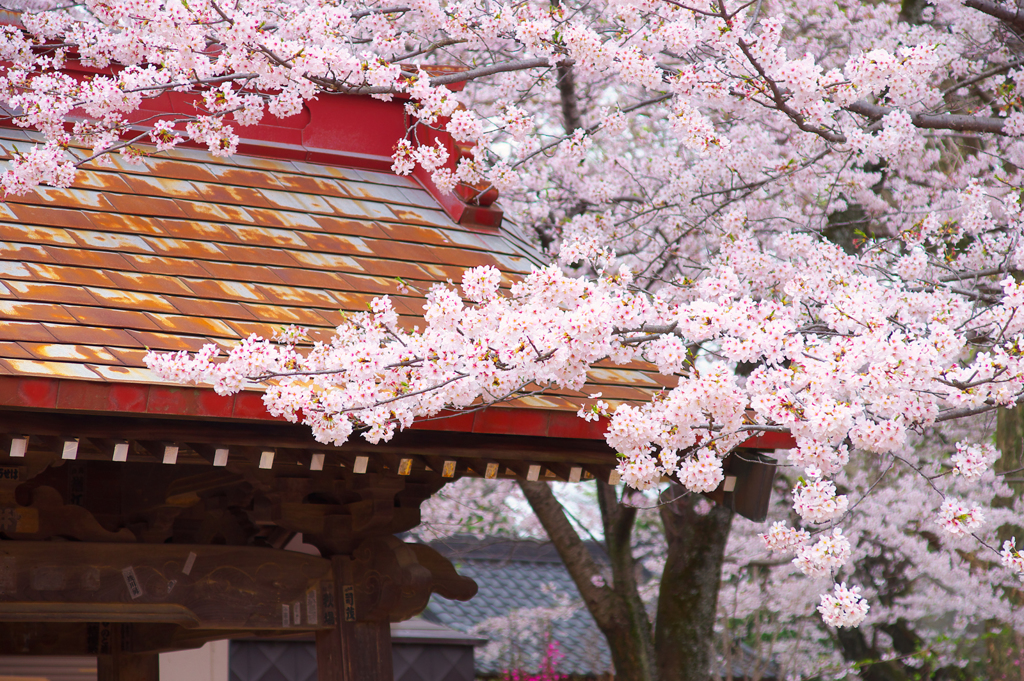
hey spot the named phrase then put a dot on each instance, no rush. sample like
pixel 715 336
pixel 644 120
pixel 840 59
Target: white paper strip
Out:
pixel 575 473
pixel 171 454
pixel 220 457
pixel 19 446
pixel 361 463
pixel 533 474
pixel 70 449
pixel 317 462
pixel 267 461
pixel 121 451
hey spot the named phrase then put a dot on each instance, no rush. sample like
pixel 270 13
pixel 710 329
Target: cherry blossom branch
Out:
pixel 1011 16
pixel 958 122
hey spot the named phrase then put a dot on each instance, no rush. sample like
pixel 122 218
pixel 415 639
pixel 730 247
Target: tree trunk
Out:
pixel 688 598
pixel 617 607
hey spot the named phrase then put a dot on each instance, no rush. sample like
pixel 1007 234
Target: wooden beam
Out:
pixel 263 436
pixel 207 587
pixel 353 650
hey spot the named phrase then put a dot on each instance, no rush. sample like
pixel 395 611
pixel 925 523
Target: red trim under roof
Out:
pixel 158 400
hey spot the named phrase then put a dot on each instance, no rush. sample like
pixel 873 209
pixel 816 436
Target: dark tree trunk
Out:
pixel 616 608
pixel 688 598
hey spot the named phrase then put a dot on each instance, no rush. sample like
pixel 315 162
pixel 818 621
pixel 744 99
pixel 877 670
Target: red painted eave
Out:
pixel 65 395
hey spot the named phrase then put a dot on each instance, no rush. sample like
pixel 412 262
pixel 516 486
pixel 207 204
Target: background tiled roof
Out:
pixel 189 248
pixel 513 575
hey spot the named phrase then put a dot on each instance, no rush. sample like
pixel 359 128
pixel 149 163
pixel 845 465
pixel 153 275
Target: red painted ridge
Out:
pixel 157 400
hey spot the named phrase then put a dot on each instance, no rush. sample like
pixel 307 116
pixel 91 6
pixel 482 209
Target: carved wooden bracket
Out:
pixel 387 579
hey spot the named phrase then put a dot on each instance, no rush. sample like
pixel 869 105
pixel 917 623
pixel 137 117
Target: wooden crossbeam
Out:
pixel 196 586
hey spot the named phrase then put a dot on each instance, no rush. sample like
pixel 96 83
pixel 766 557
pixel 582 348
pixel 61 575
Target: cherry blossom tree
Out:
pixel 808 213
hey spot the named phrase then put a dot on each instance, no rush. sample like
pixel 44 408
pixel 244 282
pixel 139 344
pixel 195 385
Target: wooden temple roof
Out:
pixel 189 248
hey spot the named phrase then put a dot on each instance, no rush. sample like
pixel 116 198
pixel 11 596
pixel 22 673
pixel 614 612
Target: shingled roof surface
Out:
pixel 526 575
pixel 517 575
pixel 189 248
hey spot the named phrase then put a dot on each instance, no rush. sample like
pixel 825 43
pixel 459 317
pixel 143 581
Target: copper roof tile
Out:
pixel 197 210
pixel 196 326
pixel 118 222
pixel 461 257
pixel 150 185
pixel 106 318
pixel 14 269
pixel 360 209
pixel 426 235
pixel 413 214
pixel 89 335
pixel 293 295
pixel 123 374
pixel 12 349
pixel 243 178
pixel 37 312
pixel 195 229
pixel 265 236
pixel 44 292
pixel 6 213
pixel 246 329
pixel 258 255
pixel 239 272
pixel 281 218
pixel 372 285
pixel 360 228
pixel 444 272
pixel 103 181
pixel 187 248
pixel 206 307
pixel 129 356
pixel 162 167
pixel 614 376
pixel 336 243
pixel 224 289
pixel 86 258
pixel 163 265
pixel 112 241
pixel 146 205
pixel 44 215
pixel 77 352
pixel 29 367
pixel 312 185
pixel 230 194
pixel 152 283
pixel 65 198
pixel 310 278
pixel 132 300
pixel 327 261
pixel 393 268
pixel 29 331
pixel 305 203
pixel 351 301
pixel 401 250
pixel 26 252
pixel 277 314
pixel 167 341
pixel 34 234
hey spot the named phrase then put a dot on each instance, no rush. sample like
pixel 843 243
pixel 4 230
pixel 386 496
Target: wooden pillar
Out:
pixel 354 650
pixel 128 667
pixel 120 664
